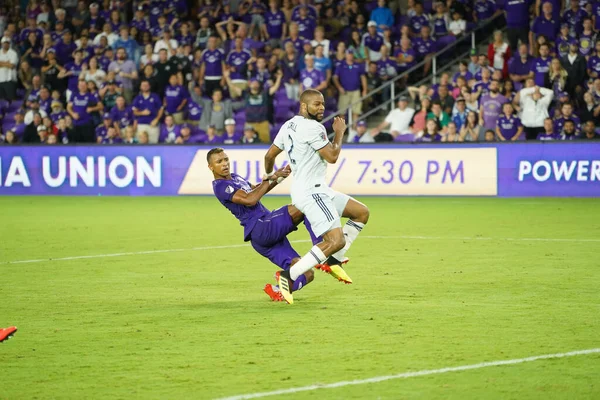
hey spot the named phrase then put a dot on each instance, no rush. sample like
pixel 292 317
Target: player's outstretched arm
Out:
pixel 252 197
pixel 270 157
pixel 331 152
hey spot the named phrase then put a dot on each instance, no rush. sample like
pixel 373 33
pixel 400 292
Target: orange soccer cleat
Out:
pixel 273 292
pixel 6 333
pixel 336 271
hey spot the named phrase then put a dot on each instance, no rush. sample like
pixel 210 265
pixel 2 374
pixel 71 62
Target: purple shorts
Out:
pixel 269 237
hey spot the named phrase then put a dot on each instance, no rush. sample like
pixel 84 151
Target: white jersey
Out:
pixel 302 138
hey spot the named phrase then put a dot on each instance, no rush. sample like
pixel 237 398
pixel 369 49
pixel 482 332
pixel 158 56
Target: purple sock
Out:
pixel 315 240
pixel 299 283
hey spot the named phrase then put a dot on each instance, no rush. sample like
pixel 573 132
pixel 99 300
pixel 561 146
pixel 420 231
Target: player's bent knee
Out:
pixel 310 275
pixel 364 215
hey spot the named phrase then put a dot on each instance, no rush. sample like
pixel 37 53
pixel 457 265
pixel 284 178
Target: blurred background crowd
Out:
pixel 231 71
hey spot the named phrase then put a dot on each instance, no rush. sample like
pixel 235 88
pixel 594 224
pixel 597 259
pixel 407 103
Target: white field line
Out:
pixel 233 246
pixel 413 374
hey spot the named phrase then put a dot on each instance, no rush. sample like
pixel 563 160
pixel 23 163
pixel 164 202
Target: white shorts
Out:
pixel 323 210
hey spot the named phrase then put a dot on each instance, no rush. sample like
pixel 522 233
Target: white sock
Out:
pixel 313 257
pixel 351 231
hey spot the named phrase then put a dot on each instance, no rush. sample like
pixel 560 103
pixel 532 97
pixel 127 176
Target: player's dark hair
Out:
pixel 307 94
pixel 210 153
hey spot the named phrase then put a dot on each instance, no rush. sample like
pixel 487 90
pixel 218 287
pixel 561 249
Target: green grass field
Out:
pixel 438 282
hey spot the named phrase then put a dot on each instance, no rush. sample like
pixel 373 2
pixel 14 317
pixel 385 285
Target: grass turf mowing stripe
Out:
pixel 232 246
pixel 413 374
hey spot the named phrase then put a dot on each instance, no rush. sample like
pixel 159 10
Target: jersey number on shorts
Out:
pixel 291 148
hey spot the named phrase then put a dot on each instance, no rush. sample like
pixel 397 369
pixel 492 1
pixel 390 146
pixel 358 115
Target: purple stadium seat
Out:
pixel 7 125
pixel 444 41
pixel 408 137
pixel 3 105
pixel 15 105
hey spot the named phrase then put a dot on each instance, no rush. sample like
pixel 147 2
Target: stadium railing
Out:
pixel 472 36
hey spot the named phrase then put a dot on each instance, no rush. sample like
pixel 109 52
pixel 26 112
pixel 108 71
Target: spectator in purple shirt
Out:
pixel 549 133
pixel 72 71
pixel 546 25
pixel 491 106
pixel 541 66
pixel 349 79
pixel 483 10
pixel 419 20
pixel 80 107
pixel 519 68
pixel 425 47
pixel 405 55
pixel 65 48
pixel 147 110
pixel 593 63
pixel 169 131
pixel 230 136
pixel 121 115
pixel 508 125
pixel 175 99
pixel 102 130
pixel 211 136
pixel 463 71
pixel 310 78
pixel 213 64
pixel 237 63
pixel 574 17
pixel 372 42
pixel 275 25
pixel 306 23
pixel 290 66
pixel 569 131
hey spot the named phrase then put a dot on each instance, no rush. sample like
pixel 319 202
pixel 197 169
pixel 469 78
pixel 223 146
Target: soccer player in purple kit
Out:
pixel 265 230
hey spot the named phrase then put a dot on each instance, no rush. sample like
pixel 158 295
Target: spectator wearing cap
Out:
pixel 34 108
pixel 108 33
pixel 140 20
pixel 57 111
pixel 520 66
pixel 125 73
pixel 213 65
pixel 185 135
pixel 81 107
pixel 211 136
pixel 31 135
pixel 360 134
pixel 306 23
pixel 275 25
pixel 121 115
pixel 8 71
pixel 250 136
pixel 350 79
pixel 72 72
pixel 111 137
pixel 175 99
pixel 517 22
pixel 257 106
pixel 574 65
pixel 491 106
pixel 147 110
pixel 372 42
pixel 237 63
pixel 169 131
pixel 102 130
pixel 230 136
pixel 398 120
pixel 311 78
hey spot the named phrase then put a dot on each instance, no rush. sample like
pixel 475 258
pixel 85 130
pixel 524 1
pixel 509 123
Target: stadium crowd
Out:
pixel 227 71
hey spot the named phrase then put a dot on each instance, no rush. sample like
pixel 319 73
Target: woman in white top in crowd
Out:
pixel 320 40
pixel 149 57
pixel 94 73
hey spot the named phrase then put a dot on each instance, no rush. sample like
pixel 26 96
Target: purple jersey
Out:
pixel 213 141
pixel 123 117
pixel 184 40
pixel 386 68
pixel 517 13
pixel 406 54
pixel 547 136
pixel 312 12
pixel 64 52
pixel 349 75
pixel 238 60
pixel 168 134
pixel 417 22
pixel 56 116
pixel 509 126
pixel 80 103
pixel 212 61
pixel 484 9
pixel 101 132
pixel 306 27
pixel 540 68
pixel 248 216
pixel 152 103
pixel 142 25
pixel 424 46
pixel 231 139
pixel 427 138
pixel 562 45
pixel 194 111
pixel 174 96
pixel 311 79
pixel 593 64
pixel 586 44
pixel 484 86
pixel 73 79
pixel 596 14
pixel 373 43
pixel 440 25
pixel 492 107
pixel 546 27
pixel 298 44
pixel 559 123
pixel 467 75
pixel 274 22
pixel 575 19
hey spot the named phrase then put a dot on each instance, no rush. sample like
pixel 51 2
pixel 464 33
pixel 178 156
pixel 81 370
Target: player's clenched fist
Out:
pixel 339 124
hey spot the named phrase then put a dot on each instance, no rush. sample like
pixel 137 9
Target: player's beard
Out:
pixel 314 116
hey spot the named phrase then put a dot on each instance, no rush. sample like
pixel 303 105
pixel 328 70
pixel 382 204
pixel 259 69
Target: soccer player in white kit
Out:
pixel 304 139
